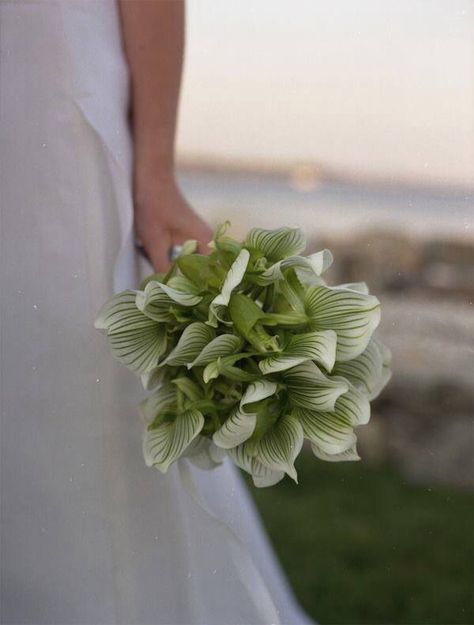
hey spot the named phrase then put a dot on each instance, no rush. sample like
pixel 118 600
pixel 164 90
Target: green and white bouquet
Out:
pixel 248 352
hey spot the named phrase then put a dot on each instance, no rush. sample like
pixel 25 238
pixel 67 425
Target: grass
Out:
pixel 360 545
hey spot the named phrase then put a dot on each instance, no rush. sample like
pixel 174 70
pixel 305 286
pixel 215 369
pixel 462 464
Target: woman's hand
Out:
pixel 163 218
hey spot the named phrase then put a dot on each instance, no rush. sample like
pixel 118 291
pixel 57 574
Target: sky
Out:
pixel 377 88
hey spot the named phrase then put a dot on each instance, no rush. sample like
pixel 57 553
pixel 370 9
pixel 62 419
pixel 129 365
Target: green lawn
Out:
pixel 360 545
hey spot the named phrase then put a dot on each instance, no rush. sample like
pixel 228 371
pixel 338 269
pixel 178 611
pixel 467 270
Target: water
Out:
pixel 330 208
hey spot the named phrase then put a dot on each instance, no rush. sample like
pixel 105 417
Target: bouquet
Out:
pixel 248 352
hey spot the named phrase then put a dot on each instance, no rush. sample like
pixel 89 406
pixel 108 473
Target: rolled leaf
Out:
pixel 280 445
pixel 232 280
pixel 318 346
pixel 237 428
pixel 154 302
pixel 222 345
pixel 167 442
pixel 262 476
pixel 190 344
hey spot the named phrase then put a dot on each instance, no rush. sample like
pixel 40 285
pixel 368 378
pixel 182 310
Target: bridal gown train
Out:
pixel 90 535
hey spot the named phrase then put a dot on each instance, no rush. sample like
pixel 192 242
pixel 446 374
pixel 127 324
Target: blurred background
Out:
pixel 355 121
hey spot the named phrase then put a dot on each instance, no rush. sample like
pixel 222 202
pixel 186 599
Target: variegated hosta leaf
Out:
pixel 256 391
pixel 315 263
pixel 368 371
pixel 203 453
pixel 190 344
pixel 318 346
pixel 332 432
pixel 183 292
pixel 161 399
pixel 352 315
pixel 276 244
pixel 232 280
pixel 280 445
pixel 167 442
pixel 222 345
pixel 261 475
pixel 237 428
pixel 347 455
pixel 154 302
pixel 309 388
pixel 134 339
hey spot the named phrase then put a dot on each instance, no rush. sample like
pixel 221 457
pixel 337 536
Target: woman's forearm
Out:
pixel 153 35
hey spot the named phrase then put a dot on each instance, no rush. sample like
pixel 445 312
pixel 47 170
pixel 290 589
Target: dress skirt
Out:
pixel 90 535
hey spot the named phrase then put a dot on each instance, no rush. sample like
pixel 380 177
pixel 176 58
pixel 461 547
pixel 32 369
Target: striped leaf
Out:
pixel 314 263
pixel 256 391
pixel 232 280
pixel 237 428
pixel 190 344
pixel 365 371
pixel 182 291
pixel 309 388
pixel 167 442
pixel 134 339
pixel 161 399
pixel 222 345
pixel 280 445
pixel 332 432
pixel 347 455
pixel 154 302
pixel 276 244
pixel 352 315
pixel 261 475
pixel 318 346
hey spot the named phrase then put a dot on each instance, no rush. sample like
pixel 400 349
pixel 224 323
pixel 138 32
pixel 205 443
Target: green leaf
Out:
pixel 224 366
pixel 190 344
pixel 309 388
pixel 368 371
pixel 201 270
pixel 190 389
pixel 262 476
pixel 153 405
pixel 154 302
pixel 222 345
pixel 352 315
pixel 236 429
pixel 318 346
pixel 256 391
pixel 167 442
pixel 276 244
pixel 134 339
pixel 347 455
pixel 185 295
pixel 332 432
pixel 280 445
pixel 315 263
pixel 245 313
pixel 232 280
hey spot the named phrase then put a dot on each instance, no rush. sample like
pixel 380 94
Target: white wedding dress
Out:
pixel 90 535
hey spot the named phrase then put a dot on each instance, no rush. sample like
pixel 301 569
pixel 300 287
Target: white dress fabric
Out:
pixel 90 535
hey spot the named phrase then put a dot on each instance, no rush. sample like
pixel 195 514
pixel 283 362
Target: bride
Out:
pixel 89 93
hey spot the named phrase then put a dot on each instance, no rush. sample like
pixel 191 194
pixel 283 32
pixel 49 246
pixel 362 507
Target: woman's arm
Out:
pixel 153 36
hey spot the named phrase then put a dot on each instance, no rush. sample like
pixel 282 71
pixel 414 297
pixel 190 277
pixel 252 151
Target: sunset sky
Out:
pixel 382 88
